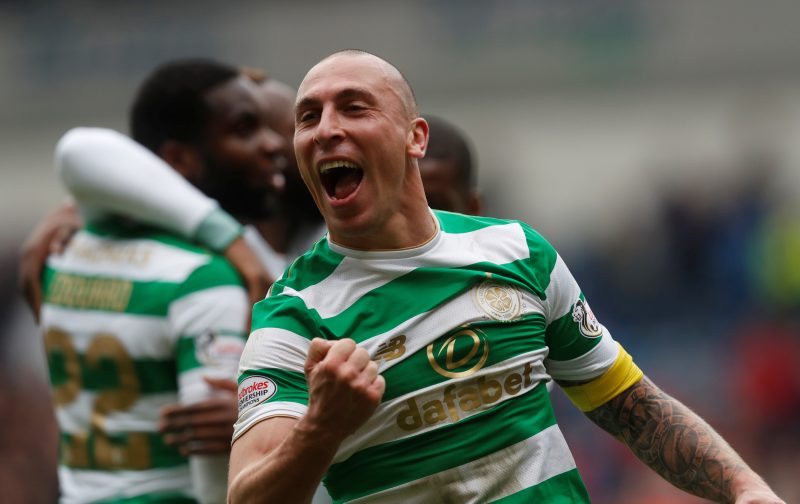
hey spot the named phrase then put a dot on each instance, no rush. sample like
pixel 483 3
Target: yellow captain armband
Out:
pixel 621 375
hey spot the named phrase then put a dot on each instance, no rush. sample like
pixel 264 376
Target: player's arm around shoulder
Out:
pixel 283 459
pixel 667 436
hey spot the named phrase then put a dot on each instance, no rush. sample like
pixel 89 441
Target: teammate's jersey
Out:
pixel 466 330
pixel 134 319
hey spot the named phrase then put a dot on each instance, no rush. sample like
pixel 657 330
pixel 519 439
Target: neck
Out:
pixel 405 229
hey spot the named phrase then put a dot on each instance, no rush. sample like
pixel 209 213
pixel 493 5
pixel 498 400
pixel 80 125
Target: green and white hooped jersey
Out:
pixel 466 330
pixel 133 320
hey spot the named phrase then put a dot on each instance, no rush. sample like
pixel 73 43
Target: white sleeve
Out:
pixel 109 173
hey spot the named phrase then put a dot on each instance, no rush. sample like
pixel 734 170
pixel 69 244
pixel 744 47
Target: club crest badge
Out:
pixel 500 301
pixel 587 323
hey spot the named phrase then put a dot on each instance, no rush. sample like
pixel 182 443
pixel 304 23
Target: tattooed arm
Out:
pixel 681 447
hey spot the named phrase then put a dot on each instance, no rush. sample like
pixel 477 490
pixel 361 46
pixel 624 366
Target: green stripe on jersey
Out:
pixel 317 264
pixel 505 342
pixel 116 229
pixel 456 223
pixel 390 464
pixel 218 272
pixel 153 498
pixel 128 451
pixel 416 292
pixel 407 296
pixel 287 312
pixel 152 376
pixel 290 385
pixel 419 291
pixel 565 488
pixel 571 343
pixel 111 294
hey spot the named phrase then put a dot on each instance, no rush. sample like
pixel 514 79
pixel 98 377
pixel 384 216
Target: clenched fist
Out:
pixel 344 385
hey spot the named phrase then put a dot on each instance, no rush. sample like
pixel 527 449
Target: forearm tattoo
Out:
pixel 672 440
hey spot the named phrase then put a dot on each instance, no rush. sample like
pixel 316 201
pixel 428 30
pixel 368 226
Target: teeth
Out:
pixel 330 165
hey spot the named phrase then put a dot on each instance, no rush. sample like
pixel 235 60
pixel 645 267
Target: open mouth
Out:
pixel 340 178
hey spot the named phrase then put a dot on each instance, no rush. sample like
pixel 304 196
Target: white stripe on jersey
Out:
pixel 79 486
pixel 503 473
pixel 193 388
pixel 274 348
pixel 499 244
pixel 252 416
pixel 563 284
pixel 75 417
pixel 139 260
pixel 225 307
pixel 426 327
pixel 84 325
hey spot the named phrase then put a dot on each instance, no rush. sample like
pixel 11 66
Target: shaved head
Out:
pixel 400 83
pixel 358 140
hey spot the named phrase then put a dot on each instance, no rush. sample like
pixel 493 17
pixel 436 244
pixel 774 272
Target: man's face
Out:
pixel 353 143
pixel 243 157
pixel 443 189
pixel 279 100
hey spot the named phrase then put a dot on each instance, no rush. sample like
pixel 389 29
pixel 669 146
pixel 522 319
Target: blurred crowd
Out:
pixel 706 294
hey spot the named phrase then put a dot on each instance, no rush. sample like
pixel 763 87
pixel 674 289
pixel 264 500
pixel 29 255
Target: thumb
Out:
pixel 316 352
pixel 221 383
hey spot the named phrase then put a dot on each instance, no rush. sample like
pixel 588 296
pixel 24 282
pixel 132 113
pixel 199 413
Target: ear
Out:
pixel 183 158
pixel 417 138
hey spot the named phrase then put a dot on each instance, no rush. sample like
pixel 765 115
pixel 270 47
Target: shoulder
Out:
pixel 171 258
pixel 317 264
pixel 459 223
pixel 284 306
pixel 499 232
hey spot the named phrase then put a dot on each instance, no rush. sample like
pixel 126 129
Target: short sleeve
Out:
pixel 580 347
pixel 208 323
pixel 271 376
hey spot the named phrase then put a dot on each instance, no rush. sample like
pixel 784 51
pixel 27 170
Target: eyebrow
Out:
pixel 354 92
pixel 344 94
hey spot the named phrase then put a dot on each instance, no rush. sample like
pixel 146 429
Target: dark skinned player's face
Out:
pixel 443 189
pixel 243 156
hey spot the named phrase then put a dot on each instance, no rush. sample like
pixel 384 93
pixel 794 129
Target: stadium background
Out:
pixel 655 144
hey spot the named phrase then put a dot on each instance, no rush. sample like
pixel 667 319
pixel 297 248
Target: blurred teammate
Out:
pixel 403 357
pixel 136 318
pixel 296 222
pixel 289 224
pixel 448 170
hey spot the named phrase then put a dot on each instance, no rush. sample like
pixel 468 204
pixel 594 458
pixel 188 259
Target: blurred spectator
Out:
pixel 28 430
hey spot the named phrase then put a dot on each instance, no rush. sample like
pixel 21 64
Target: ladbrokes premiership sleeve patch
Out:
pixel 255 390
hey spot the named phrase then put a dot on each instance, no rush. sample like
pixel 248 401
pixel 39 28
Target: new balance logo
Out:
pixel 392 349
